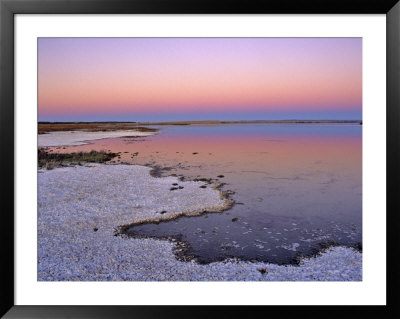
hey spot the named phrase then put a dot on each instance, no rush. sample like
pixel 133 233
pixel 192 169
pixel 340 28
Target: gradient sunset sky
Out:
pixel 166 79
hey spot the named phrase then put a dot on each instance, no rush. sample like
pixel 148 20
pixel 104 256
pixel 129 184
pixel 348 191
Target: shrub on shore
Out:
pixel 51 160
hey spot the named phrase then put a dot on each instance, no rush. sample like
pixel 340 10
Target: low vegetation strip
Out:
pixel 51 160
pixel 46 127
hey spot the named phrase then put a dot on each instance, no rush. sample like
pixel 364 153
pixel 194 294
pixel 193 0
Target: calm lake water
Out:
pixel 297 187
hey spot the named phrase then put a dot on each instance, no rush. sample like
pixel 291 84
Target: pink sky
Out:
pixel 200 78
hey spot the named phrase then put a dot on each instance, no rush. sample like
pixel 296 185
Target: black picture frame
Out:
pixel 8 8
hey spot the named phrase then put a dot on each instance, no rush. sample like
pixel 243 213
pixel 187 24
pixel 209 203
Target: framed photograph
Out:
pixel 160 154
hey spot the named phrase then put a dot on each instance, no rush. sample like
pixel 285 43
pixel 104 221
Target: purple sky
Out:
pixel 156 79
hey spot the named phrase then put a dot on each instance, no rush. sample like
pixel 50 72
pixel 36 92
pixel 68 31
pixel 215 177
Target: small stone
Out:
pixel 262 270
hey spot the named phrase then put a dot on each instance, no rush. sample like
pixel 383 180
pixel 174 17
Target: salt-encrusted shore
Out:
pixel 64 138
pixel 80 209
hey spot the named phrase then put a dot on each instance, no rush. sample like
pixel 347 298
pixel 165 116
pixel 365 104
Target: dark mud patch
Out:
pixel 158 171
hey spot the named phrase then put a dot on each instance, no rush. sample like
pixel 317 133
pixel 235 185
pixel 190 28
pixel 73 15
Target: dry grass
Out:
pixel 91 127
pixel 51 160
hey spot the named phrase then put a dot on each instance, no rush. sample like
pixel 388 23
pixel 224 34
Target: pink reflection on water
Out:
pixel 279 154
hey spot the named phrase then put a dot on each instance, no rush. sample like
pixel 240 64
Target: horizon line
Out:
pixel 202 121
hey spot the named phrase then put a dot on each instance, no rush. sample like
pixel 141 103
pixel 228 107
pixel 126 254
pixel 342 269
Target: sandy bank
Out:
pixel 64 138
pixel 80 209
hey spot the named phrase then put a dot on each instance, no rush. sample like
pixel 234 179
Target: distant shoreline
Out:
pixel 44 126
pixel 201 122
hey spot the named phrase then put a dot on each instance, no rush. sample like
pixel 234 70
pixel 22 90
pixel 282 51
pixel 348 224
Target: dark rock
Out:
pixel 262 270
